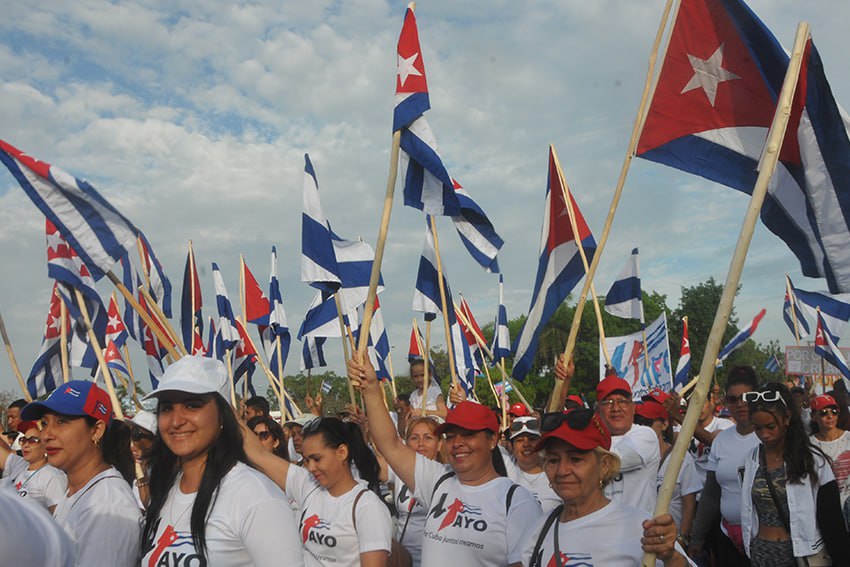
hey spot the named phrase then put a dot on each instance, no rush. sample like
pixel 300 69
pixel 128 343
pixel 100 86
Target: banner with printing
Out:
pixel 630 362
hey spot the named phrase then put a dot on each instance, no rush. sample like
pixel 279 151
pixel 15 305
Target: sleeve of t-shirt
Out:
pixel 55 488
pixel 269 533
pixel 374 524
pixel 689 480
pixel 523 516
pixel 531 541
pixel 14 466
pixel 299 484
pixel 426 473
pixel 638 449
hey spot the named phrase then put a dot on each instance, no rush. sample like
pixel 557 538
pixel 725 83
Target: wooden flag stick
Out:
pixel 107 376
pixel 724 308
pixel 63 339
pixel 424 351
pixel 574 226
pixel 281 389
pixel 13 361
pixel 506 377
pixel 145 270
pixel 160 316
pixel 615 201
pixel 163 339
pixel 132 378
pixel 392 375
pixel 441 284
pixel 242 304
pixel 343 336
pixel 230 379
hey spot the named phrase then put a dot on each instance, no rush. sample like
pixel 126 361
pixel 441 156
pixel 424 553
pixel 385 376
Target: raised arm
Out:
pixel 399 456
pixel 267 463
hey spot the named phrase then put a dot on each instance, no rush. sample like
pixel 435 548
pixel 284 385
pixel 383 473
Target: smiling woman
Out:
pixel 29 474
pixel 207 505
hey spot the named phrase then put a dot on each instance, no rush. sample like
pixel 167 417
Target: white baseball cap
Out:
pixel 301 420
pixel 144 419
pixel 194 375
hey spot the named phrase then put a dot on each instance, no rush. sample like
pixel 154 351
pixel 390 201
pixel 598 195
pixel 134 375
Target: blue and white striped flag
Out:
pixel 426 294
pixel 502 335
pixel 46 372
pixel 772 364
pixel 318 259
pixel 226 320
pixel 740 338
pixel 160 288
pixel 835 310
pixel 476 231
pixel 624 299
pixel 312 353
pixel 277 327
pixel 326 387
pixel 825 346
pixel 93 227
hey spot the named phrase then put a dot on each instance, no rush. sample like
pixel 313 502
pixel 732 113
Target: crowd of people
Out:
pixel 432 480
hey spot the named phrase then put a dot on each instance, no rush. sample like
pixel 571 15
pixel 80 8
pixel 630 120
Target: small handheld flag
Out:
pixel 772 364
pixel 825 346
pixel 624 299
pixel 683 367
pixel 740 338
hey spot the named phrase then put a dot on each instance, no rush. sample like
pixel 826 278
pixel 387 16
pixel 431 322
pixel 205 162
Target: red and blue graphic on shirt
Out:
pixel 459 515
pixel 570 560
pixel 173 549
pixel 315 529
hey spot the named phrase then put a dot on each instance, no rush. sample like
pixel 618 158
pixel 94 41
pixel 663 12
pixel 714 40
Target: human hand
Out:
pixel 659 537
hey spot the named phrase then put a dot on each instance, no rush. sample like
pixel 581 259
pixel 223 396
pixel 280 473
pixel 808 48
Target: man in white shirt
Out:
pixel 636 445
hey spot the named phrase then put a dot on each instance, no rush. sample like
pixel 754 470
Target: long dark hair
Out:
pixel 276 432
pixel 799 451
pixel 222 456
pixel 336 432
pixel 115 447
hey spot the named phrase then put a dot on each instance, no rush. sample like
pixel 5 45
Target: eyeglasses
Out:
pixel 733 400
pixel 263 435
pixel 137 435
pixel 33 440
pixel 620 403
pixel 526 424
pixel 768 396
pixel 828 411
pixel 576 419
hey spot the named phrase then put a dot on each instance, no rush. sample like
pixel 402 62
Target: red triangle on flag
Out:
pixel 410 77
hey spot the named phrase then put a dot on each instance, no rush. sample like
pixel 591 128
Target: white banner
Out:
pixel 629 360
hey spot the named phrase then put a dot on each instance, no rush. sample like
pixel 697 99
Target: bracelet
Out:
pixel 142 482
pixel 684 540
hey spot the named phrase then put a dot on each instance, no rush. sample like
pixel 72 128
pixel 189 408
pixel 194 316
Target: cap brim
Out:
pixel 580 444
pixel 185 386
pixel 35 410
pixel 445 426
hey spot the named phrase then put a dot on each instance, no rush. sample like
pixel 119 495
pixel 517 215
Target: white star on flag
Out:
pixel 114 322
pixel 406 68
pixel 708 73
pixel 54 241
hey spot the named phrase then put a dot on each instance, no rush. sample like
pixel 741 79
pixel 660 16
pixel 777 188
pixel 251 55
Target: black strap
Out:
pixel 407 519
pixel 779 509
pixel 354 507
pixel 510 498
pixel 535 560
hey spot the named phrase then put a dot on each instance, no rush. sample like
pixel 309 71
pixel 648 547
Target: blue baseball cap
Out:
pixel 75 398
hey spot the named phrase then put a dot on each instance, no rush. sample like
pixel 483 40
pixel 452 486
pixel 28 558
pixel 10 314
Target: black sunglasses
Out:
pixel 827 411
pixel 33 440
pixel 138 435
pixel 263 435
pixel 576 419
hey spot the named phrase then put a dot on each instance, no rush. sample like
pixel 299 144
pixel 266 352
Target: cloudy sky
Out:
pixel 193 118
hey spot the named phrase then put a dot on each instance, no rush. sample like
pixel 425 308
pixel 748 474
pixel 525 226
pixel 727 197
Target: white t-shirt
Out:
pixel 326 528
pixel 468 525
pixel 431 403
pixel 30 536
pixel 249 524
pixel 536 483
pixel 411 517
pixel 839 451
pixel 687 482
pixel 46 485
pixel 640 456
pixel 729 453
pixel 608 537
pixel 103 520
pixel 700 451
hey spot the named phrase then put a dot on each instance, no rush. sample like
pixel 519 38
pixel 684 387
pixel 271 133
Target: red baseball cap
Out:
pixel 518 410
pixel 823 402
pixel 610 385
pixel 593 434
pixel 471 416
pixel 656 395
pixel 651 410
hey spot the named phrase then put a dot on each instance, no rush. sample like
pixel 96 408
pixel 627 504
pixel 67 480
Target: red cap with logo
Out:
pixel 655 395
pixel 823 402
pixel 593 434
pixel 610 385
pixel 471 416
pixel 518 410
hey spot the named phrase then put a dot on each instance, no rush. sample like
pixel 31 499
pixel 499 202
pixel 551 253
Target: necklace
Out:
pixel 174 495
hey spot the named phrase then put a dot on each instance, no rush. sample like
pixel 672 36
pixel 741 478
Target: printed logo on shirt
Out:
pixel 310 531
pixel 173 549
pixel 572 560
pixel 404 496
pixel 458 515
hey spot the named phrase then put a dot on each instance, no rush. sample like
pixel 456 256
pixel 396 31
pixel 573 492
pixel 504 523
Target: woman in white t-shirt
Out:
pixel 208 506
pixel 343 521
pixel 29 474
pixel 98 511
pixel 524 464
pixel 475 515
pixel 835 443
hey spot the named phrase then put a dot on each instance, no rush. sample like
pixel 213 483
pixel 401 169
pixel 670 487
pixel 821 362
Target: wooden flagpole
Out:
pixel 392 374
pixel 449 343
pixel 574 226
pixel 13 361
pixel 767 167
pixel 243 304
pixel 230 379
pixel 160 316
pixel 343 335
pixel 615 200
pixel 107 375
pixel 280 376
pixel 145 270
pixel 132 378
pixel 163 338
pixel 63 339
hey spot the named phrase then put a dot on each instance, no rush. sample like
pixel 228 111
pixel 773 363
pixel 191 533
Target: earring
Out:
pixel 601 483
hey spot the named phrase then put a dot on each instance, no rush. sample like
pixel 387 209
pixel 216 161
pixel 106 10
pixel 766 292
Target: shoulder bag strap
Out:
pixel 535 560
pixel 779 509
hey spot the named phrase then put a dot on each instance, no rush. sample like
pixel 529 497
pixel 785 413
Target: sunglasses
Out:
pixel 33 440
pixel 828 411
pixel 528 424
pixel 767 396
pixel 137 435
pixel 576 419
pixel 264 435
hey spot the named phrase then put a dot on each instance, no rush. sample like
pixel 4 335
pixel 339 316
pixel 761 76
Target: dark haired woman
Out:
pixel 835 444
pixel 343 521
pixel 81 439
pixel 29 474
pixel 270 434
pixel 476 515
pixel 790 507
pixel 208 507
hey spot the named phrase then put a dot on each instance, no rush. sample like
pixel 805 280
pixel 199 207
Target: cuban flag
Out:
pixel 502 336
pixel 46 372
pixel 476 231
pixel 226 320
pixel 318 259
pixel 154 351
pixel 471 331
pixel 214 347
pixel 710 114
pixel 312 353
pixel 244 358
pixel 378 344
pixel 132 321
pixel 825 346
pixel 93 227
pixel 427 184
pixel 414 351
pixel 559 270
pixel 326 387
pixel 160 285
pixel 191 320
pixel 198 346
pixel 835 310
pixel 116 332
pixel 322 319
pixel 772 364
pixel 277 325
pixel 683 367
pixel 114 360
pixel 740 338
pixel 354 259
pixel 426 294
pixel 257 305
pixel 791 312
pixel 624 299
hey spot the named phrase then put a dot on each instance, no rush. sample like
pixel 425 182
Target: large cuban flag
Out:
pixel 559 270
pixel 712 108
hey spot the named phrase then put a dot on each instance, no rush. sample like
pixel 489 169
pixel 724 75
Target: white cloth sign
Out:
pixel 629 360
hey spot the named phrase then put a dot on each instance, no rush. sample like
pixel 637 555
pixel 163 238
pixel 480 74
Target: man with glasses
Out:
pixel 636 445
pixel 525 465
